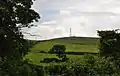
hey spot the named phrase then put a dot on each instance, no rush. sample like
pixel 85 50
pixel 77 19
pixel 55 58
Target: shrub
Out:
pixel 13 67
pixel 92 66
pixel 89 66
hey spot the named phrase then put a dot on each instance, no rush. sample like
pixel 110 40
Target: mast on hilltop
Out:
pixel 70 34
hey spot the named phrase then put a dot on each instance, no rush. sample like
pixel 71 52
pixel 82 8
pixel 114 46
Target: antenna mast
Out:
pixel 70 32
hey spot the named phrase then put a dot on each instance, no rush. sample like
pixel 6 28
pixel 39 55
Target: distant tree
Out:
pixel 59 50
pixel 14 15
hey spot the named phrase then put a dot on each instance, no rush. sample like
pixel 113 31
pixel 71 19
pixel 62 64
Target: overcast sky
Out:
pixel 84 17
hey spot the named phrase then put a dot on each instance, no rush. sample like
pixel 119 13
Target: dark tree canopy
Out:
pixel 109 42
pixel 14 15
pixel 60 51
pixel 59 48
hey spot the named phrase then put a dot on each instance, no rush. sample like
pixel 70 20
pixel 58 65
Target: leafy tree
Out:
pixel 15 15
pixel 58 48
pixel 109 42
pixel 60 51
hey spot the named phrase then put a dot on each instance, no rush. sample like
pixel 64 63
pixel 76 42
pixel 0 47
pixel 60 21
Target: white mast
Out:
pixel 70 32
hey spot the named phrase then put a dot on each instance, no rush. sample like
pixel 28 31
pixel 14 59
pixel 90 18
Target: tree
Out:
pixel 15 15
pixel 60 51
pixel 58 48
pixel 109 42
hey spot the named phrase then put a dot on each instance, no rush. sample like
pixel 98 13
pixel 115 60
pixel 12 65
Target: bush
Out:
pixel 89 66
pixel 13 67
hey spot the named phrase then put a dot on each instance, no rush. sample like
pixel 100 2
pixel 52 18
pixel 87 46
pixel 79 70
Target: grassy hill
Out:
pixel 73 44
pixel 76 44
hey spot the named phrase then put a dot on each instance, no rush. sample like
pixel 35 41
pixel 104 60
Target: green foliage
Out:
pixel 56 69
pixel 89 66
pixel 14 15
pixel 109 42
pixel 60 51
pixel 13 67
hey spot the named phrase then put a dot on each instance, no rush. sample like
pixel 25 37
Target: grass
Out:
pixel 76 44
pixel 73 44
pixel 37 57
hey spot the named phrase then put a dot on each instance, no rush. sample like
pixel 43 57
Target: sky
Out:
pixel 84 17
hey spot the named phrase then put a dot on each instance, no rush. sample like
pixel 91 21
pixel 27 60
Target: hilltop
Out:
pixel 77 44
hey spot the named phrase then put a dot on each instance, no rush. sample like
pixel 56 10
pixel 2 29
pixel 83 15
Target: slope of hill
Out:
pixel 73 44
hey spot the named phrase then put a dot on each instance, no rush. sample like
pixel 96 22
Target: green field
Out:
pixel 73 44
pixel 37 57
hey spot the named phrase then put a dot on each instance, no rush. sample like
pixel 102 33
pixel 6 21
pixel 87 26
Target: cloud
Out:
pixel 49 22
pixel 83 16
